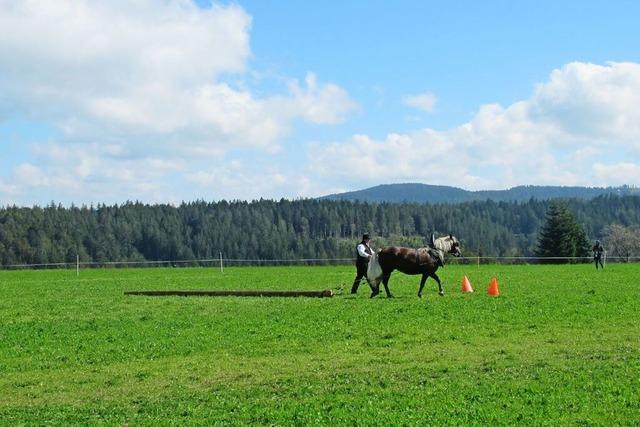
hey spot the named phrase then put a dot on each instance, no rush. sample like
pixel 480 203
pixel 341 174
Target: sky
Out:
pixel 164 101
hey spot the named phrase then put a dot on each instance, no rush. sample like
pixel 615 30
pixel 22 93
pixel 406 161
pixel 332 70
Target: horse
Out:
pixel 411 261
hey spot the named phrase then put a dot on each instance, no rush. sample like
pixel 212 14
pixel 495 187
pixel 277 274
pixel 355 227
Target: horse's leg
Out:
pixel 375 287
pixel 425 276
pixel 437 279
pixel 385 282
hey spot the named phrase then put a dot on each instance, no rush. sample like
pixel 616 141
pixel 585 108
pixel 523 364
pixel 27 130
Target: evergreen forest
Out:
pixel 285 229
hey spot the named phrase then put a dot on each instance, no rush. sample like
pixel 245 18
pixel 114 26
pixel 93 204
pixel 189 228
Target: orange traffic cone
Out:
pixel 466 285
pixel 493 288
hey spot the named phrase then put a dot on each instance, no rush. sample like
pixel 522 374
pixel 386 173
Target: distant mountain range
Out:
pixel 424 193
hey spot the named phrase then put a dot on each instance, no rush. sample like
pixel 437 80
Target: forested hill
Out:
pixel 423 193
pixel 281 229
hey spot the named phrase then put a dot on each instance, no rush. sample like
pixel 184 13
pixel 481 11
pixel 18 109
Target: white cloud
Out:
pixel 617 173
pixel 74 54
pixel 8 189
pixel 586 153
pixel 591 101
pixel 226 181
pixel 551 138
pixel 147 69
pixel 424 101
pixel 141 96
pixel 29 175
pixel 131 85
pixel 322 104
pixel 85 173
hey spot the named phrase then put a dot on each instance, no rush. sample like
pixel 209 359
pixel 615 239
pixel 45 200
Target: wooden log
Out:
pixel 327 293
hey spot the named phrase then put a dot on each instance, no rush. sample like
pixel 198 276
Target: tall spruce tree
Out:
pixel 562 235
pixel 582 246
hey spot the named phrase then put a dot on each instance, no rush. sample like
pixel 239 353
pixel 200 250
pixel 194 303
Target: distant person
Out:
pixel 363 253
pixel 598 250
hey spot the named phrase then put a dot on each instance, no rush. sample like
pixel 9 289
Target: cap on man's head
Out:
pixel 365 236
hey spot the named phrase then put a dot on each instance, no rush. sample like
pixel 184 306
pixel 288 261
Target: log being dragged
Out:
pixel 327 293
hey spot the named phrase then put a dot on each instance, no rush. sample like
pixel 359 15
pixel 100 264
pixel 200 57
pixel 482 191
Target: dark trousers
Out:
pixel 598 259
pixel 361 267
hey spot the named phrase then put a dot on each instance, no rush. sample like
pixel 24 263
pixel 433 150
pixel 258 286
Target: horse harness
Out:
pixel 438 256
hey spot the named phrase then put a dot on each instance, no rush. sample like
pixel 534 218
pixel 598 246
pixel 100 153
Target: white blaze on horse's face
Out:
pixel 455 247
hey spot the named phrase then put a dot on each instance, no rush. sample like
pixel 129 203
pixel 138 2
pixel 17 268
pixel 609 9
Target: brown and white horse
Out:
pixel 424 261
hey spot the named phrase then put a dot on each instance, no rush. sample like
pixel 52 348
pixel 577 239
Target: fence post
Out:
pixel 77 265
pixel 221 267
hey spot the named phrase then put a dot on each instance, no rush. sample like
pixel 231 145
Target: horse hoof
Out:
pixel 373 294
pixel 441 294
pixel 390 296
pixel 419 295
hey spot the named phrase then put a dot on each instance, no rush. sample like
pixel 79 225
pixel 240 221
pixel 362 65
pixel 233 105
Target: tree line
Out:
pixel 285 229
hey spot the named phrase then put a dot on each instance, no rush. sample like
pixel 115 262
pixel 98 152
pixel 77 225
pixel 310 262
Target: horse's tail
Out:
pixel 374 270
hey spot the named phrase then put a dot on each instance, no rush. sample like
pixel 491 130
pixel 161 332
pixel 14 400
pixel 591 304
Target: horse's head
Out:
pixel 455 246
pixel 448 244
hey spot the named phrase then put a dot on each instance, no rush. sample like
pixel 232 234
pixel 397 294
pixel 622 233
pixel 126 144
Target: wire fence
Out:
pixel 222 262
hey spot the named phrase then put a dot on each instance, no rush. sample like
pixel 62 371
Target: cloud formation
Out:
pixel 425 101
pixel 133 86
pixel 153 100
pixel 580 127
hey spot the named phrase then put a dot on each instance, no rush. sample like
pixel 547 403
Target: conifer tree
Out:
pixel 562 235
pixel 582 247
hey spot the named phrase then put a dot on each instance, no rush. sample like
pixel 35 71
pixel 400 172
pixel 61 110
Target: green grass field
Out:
pixel 560 346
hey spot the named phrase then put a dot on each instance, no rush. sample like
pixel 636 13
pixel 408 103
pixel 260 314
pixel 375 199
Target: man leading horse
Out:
pixel 363 254
pixel 424 261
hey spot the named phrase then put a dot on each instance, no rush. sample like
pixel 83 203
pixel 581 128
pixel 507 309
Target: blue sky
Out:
pixel 164 101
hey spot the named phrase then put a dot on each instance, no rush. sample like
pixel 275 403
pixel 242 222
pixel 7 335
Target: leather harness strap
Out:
pixel 437 257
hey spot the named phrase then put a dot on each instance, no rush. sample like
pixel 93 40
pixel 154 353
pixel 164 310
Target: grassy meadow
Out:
pixel 560 346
